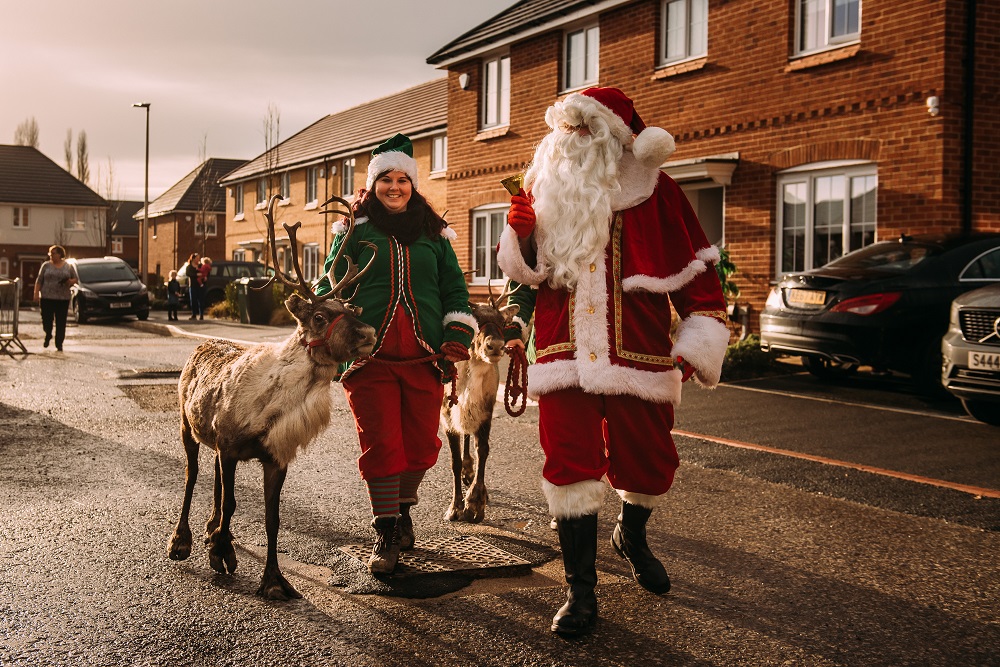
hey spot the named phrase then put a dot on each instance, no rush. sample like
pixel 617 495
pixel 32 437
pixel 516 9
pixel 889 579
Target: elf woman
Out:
pixel 416 297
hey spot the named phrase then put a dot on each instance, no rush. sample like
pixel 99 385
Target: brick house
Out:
pixel 42 204
pixel 330 157
pixel 124 227
pixel 189 217
pixel 804 128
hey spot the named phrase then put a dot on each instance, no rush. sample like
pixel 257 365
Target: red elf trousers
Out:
pixel 396 407
pixel 585 436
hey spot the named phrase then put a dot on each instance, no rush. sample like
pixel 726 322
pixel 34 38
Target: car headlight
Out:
pixel 774 299
pixel 84 292
pixel 143 290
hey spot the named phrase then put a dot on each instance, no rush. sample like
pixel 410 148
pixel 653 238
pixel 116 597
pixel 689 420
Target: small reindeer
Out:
pixel 477 382
pixel 265 402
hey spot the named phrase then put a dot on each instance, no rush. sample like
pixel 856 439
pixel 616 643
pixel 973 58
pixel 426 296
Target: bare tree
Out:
pixel 82 164
pixel 111 191
pixel 68 150
pixel 26 133
pixel 205 191
pixel 272 137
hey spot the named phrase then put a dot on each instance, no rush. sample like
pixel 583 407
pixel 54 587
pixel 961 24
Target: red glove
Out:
pixel 454 351
pixel 686 369
pixel 521 217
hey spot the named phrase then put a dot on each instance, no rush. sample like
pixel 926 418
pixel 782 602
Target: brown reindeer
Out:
pixel 477 382
pixel 265 402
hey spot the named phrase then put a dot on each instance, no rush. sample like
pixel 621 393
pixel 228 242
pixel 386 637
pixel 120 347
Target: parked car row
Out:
pixel 887 306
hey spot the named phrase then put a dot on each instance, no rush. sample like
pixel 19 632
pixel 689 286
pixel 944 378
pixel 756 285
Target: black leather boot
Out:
pixel 629 540
pixel 385 551
pixel 578 539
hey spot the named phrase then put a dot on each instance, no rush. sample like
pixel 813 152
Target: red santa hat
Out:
pixel 651 147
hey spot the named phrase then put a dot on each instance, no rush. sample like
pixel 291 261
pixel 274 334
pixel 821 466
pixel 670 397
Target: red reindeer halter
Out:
pixel 325 340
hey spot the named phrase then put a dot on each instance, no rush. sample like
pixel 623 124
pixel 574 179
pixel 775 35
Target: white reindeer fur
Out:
pixel 477 381
pixel 271 389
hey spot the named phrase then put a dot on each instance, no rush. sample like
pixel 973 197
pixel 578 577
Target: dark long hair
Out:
pixel 367 204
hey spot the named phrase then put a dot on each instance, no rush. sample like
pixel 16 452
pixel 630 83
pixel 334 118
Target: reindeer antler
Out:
pixel 300 284
pixel 496 301
pixel 353 275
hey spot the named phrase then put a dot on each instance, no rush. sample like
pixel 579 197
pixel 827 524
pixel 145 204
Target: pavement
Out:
pixel 211 327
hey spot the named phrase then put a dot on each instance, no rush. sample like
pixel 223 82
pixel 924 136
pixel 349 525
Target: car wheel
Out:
pixel 985 411
pixel 828 368
pixel 143 315
pixel 78 313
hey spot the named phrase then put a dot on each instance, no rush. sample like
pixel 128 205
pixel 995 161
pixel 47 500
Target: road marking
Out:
pixel 964 488
pixel 867 406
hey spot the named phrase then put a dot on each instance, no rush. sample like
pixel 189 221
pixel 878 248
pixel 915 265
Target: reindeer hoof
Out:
pixel 221 555
pixel 276 587
pixel 180 544
pixel 455 513
pixel 474 514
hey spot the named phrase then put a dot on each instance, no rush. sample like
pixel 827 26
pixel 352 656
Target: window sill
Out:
pixel 824 57
pixel 285 202
pixel 674 69
pixel 239 217
pixel 435 175
pixel 492 133
pixel 311 206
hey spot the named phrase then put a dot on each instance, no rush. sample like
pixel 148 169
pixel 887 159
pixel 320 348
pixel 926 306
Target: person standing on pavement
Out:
pixel 204 269
pixel 173 296
pixel 609 242
pixel 52 291
pixel 194 288
pixel 416 297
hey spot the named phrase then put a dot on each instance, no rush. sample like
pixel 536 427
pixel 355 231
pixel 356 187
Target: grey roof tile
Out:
pixel 27 176
pixel 186 194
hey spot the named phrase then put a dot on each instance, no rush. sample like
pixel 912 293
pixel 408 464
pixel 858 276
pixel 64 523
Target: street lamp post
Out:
pixel 143 239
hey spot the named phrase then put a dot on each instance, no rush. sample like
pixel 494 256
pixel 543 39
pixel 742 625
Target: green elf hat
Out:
pixel 393 154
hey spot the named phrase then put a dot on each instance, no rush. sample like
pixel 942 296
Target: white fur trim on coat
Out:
pixel 464 318
pixel 709 255
pixel 637 183
pixel 340 226
pixel 574 500
pixel 642 283
pixel 601 377
pixel 511 261
pixel 702 341
pixel 391 161
pixel 449 233
pixel 640 499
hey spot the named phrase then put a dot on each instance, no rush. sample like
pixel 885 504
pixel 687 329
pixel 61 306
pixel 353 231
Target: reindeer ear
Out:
pixel 297 306
pixel 510 311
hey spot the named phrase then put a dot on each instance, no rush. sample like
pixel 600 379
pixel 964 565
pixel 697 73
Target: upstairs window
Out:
pixel 312 178
pixel 117 245
pixel 205 224
pixel 684 30
pixel 286 185
pixel 262 192
pixel 496 92
pixel 581 57
pixel 825 213
pixel 487 224
pixel 238 200
pixel 439 154
pixel 20 217
pixel 310 262
pixel 825 23
pixel 347 178
pixel 74 218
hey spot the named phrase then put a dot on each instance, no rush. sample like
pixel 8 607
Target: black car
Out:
pixel 108 287
pixel 224 272
pixel 884 306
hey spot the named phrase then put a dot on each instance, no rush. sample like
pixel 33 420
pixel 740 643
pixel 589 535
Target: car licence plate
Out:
pixel 807 297
pixel 984 361
pixel 121 304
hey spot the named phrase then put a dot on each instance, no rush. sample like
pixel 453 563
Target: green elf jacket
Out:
pixel 424 278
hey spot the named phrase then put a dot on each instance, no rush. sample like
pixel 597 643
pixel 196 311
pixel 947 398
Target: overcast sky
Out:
pixel 210 69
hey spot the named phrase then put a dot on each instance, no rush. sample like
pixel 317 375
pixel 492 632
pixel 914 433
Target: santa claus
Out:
pixel 608 243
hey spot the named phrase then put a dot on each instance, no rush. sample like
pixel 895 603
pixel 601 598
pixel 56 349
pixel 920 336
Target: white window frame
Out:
pixel 286 187
pixel 807 178
pixel 22 218
pixel 690 29
pixel 239 255
pixel 495 214
pixel 74 219
pixel 310 262
pixel 4 267
pixel 204 220
pixel 238 201
pixel 826 34
pixel 495 108
pixel 117 245
pixel 591 57
pixel 439 154
pixel 347 177
pixel 261 202
pixel 312 185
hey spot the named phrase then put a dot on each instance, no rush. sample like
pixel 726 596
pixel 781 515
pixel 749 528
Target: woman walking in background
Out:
pixel 194 288
pixel 52 293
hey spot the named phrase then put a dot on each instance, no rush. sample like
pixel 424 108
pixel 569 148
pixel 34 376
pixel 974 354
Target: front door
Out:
pixel 29 271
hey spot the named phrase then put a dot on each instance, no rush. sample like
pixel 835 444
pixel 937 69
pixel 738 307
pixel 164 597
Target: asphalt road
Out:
pixel 776 559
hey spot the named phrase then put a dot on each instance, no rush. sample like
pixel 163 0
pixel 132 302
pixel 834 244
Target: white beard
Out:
pixel 573 178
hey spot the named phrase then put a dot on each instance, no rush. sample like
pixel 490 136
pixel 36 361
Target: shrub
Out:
pixel 744 360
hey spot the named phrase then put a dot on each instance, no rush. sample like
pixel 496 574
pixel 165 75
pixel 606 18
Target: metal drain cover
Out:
pixel 445 554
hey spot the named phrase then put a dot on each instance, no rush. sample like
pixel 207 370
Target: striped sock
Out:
pixel 384 495
pixel 408 483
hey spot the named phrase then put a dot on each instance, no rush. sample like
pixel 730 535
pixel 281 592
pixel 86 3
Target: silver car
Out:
pixel 971 353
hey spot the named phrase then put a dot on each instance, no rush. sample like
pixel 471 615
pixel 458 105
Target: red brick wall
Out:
pixel 865 102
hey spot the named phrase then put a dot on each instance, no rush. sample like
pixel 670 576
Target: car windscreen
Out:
pixel 890 257
pixel 105 272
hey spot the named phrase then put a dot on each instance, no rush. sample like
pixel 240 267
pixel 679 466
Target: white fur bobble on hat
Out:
pixel 653 146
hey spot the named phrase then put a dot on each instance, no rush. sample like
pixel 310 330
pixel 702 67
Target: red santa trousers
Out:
pixel 396 407
pixel 585 436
